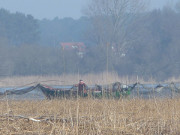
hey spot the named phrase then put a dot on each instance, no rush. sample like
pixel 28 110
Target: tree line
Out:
pixel 137 43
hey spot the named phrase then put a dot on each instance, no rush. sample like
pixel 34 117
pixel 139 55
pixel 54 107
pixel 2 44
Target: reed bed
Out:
pixel 69 79
pixel 90 116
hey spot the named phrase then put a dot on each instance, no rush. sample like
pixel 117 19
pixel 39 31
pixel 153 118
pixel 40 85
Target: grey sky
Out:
pixel 53 8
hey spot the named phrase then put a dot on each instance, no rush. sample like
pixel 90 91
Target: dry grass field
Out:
pixel 88 116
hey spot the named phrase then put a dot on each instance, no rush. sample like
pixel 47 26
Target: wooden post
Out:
pixel 77 93
pixel 172 91
pixel 107 62
pixel 71 97
pixel 107 70
pixel 138 87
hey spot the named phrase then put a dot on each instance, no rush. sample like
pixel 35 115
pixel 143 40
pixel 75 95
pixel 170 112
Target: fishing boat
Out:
pixel 68 91
pixel 114 90
pixel 52 92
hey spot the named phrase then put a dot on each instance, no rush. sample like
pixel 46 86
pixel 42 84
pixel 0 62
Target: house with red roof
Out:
pixel 79 47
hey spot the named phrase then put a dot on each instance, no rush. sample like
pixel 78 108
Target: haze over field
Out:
pixel 60 8
pixel 127 53
pixel 54 38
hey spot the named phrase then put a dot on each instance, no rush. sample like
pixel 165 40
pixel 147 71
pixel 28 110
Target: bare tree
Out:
pixel 178 6
pixel 111 20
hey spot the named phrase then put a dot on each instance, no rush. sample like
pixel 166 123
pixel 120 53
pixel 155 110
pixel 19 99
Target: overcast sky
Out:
pixel 57 8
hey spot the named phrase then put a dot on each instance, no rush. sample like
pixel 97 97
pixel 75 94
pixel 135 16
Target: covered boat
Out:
pixel 52 92
pixel 115 90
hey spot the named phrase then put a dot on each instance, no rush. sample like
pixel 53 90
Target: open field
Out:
pixel 88 116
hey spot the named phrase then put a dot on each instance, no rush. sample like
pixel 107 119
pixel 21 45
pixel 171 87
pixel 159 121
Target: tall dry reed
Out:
pixel 88 116
pixel 69 79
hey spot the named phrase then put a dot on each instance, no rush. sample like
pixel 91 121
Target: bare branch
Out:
pixel 111 20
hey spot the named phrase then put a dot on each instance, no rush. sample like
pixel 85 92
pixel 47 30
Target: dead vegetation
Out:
pixel 88 116
pixel 69 79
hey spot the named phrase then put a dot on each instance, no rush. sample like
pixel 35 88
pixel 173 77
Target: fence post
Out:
pixel 77 93
pixel 138 86
pixel 172 91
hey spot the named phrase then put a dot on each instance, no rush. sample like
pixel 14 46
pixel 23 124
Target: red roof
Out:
pixel 73 45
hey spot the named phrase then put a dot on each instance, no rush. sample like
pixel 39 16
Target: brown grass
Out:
pixel 69 79
pixel 88 116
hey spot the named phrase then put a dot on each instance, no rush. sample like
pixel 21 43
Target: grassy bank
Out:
pixel 87 116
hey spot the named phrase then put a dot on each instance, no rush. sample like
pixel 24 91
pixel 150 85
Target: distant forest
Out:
pixel 150 45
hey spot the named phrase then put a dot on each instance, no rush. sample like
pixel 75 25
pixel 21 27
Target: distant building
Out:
pixel 79 47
